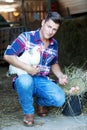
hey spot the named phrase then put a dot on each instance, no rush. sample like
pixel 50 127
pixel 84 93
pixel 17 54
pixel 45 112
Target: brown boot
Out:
pixel 29 119
pixel 41 111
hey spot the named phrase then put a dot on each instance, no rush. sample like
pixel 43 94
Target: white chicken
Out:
pixel 30 57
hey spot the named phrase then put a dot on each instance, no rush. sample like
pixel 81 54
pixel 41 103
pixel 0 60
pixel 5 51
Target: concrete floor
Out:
pixel 52 122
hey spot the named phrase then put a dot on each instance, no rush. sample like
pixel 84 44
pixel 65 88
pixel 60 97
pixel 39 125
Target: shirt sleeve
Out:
pixel 55 59
pixel 17 46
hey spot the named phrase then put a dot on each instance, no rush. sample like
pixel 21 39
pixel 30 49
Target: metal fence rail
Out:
pixel 7 35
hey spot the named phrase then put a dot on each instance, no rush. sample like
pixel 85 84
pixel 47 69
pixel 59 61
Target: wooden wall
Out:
pixel 32 10
pixel 72 6
pixel 35 9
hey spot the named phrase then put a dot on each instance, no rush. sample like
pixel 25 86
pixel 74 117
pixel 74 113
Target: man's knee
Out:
pixel 24 81
pixel 59 100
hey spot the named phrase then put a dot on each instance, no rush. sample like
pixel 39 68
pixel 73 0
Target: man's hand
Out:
pixel 63 80
pixel 32 70
pixel 57 71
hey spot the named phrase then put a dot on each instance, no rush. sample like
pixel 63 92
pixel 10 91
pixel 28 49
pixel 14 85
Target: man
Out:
pixel 37 82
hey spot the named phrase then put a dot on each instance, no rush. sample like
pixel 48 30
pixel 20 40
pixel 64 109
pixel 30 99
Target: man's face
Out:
pixel 49 29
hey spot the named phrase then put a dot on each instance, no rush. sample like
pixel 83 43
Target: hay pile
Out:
pixel 77 81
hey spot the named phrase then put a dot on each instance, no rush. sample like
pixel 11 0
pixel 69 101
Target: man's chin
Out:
pixel 48 37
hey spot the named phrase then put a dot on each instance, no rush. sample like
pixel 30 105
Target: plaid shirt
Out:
pixel 28 40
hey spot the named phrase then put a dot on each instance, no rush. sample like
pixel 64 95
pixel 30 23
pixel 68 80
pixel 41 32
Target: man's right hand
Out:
pixel 32 70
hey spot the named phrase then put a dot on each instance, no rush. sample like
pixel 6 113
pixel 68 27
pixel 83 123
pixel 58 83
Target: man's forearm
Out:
pixel 57 70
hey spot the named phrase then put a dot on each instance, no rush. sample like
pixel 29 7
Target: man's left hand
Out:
pixel 63 80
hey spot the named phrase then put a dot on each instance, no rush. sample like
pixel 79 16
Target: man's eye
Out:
pixel 55 30
pixel 49 26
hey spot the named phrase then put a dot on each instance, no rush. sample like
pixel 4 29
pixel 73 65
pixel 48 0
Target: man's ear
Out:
pixel 43 21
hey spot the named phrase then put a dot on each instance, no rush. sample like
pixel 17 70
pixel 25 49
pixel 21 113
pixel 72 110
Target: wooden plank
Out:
pixel 74 6
pixel 78 9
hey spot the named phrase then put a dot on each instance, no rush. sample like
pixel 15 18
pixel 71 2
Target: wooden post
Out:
pixel 48 5
pixel 23 13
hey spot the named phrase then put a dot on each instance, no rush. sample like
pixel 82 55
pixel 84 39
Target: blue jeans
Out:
pixel 47 92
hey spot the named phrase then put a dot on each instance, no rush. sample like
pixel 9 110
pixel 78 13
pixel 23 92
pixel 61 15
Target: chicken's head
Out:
pixel 37 49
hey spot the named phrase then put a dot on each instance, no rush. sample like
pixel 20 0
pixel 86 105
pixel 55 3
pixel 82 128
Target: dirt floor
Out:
pixel 10 110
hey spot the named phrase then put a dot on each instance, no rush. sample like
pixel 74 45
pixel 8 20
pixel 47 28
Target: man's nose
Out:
pixel 51 31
